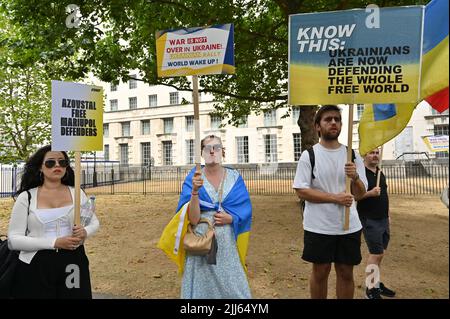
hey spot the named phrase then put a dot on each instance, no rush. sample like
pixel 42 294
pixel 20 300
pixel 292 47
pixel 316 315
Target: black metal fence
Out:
pixel 409 178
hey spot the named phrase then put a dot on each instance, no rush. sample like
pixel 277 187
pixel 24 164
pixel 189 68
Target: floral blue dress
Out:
pixel 226 279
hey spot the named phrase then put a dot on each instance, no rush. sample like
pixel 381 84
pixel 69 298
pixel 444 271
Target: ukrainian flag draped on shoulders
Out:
pixel 380 123
pixel 237 203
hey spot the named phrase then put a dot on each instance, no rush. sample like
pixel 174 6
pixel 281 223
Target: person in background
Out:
pixel 373 210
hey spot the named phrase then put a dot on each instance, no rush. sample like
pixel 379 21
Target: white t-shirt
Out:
pixel 327 218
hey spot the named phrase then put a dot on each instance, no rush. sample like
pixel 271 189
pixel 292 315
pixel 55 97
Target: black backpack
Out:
pixel 312 160
pixel 8 263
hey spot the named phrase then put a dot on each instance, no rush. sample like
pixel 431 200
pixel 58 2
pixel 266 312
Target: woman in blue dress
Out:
pixel 220 195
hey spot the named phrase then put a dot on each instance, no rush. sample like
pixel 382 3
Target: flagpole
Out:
pixel 196 122
pixel 379 166
pixel 349 159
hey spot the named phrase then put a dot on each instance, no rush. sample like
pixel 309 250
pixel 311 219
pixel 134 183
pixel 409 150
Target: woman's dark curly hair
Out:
pixel 32 177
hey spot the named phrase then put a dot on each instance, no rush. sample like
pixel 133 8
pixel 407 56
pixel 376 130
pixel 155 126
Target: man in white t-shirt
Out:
pixel 325 241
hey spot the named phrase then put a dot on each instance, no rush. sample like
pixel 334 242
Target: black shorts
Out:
pixel 326 249
pixel 377 234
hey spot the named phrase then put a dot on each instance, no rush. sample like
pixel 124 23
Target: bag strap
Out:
pixel 28 210
pixel 221 187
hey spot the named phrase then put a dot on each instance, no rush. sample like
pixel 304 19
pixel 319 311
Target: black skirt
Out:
pixel 52 274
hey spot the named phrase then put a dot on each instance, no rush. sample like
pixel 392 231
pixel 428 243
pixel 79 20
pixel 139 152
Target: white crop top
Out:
pixel 56 221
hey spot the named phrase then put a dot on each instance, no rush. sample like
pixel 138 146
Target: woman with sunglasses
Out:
pixel 219 194
pixel 52 260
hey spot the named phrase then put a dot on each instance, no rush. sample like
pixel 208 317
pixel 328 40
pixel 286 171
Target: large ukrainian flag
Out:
pixel 381 122
pixel 237 203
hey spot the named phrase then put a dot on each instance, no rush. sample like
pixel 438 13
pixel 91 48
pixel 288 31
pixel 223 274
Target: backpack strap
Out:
pixel 28 211
pixel 312 160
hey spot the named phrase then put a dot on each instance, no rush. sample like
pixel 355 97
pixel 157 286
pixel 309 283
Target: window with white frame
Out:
pixel 435 112
pixel 106 152
pixel 243 122
pixel 167 152
pixel 146 154
pixel 174 98
pixel 153 100
pixel 105 129
pixel 113 105
pixel 441 129
pixel 189 123
pixel 297 146
pixel 270 148
pixel 189 151
pixel 113 87
pixel 126 129
pixel 132 83
pixel 145 127
pixel 132 102
pixel 359 111
pixel 168 125
pixel 295 114
pixel 216 120
pixel 270 118
pixel 123 154
pixel 242 149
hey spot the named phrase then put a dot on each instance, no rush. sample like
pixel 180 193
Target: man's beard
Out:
pixel 330 136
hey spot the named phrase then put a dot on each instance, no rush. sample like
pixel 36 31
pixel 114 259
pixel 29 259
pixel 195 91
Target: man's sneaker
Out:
pixel 373 293
pixel 386 291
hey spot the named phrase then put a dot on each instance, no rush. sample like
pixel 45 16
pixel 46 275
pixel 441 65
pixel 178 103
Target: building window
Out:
pixel 132 83
pixel 125 129
pixel 270 118
pixel 123 154
pixel 295 114
pixel 105 129
pixel 215 122
pixel 270 148
pixel 145 127
pixel 297 146
pixel 113 105
pixel 242 149
pixel 106 152
pixel 113 87
pixel 167 152
pixel 174 99
pixel 441 130
pixel 359 111
pixel 132 102
pixel 189 151
pixel 435 112
pixel 146 154
pixel 243 122
pixel 441 154
pixel 189 123
pixel 168 125
pixel 153 100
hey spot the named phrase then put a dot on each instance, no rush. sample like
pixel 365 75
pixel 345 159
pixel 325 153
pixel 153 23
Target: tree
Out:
pixel 24 105
pixel 115 37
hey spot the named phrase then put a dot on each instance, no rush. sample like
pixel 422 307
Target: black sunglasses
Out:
pixel 51 163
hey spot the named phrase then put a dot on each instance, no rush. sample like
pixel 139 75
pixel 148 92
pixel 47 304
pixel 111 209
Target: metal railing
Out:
pixel 408 178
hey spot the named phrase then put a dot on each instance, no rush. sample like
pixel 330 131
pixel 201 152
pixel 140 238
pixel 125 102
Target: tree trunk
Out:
pixel 308 135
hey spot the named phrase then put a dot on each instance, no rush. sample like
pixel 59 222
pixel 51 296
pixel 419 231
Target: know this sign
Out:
pixel 77 117
pixel 195 51
pixel 355 56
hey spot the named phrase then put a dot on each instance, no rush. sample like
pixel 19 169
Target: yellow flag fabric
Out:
pixel 382 122
pixel 175 251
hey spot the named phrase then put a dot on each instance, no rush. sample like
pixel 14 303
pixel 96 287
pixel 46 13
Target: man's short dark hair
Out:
pixel 323 109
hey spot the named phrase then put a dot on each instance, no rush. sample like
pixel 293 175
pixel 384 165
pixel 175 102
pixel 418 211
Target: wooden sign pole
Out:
pixel 196 122
pixel 77 219
pixel 349 159
pixel 379 166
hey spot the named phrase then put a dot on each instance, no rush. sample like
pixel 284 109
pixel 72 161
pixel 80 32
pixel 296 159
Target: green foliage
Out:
pixel 117 36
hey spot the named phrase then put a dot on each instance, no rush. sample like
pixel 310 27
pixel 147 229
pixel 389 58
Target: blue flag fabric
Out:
pixel 237 203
